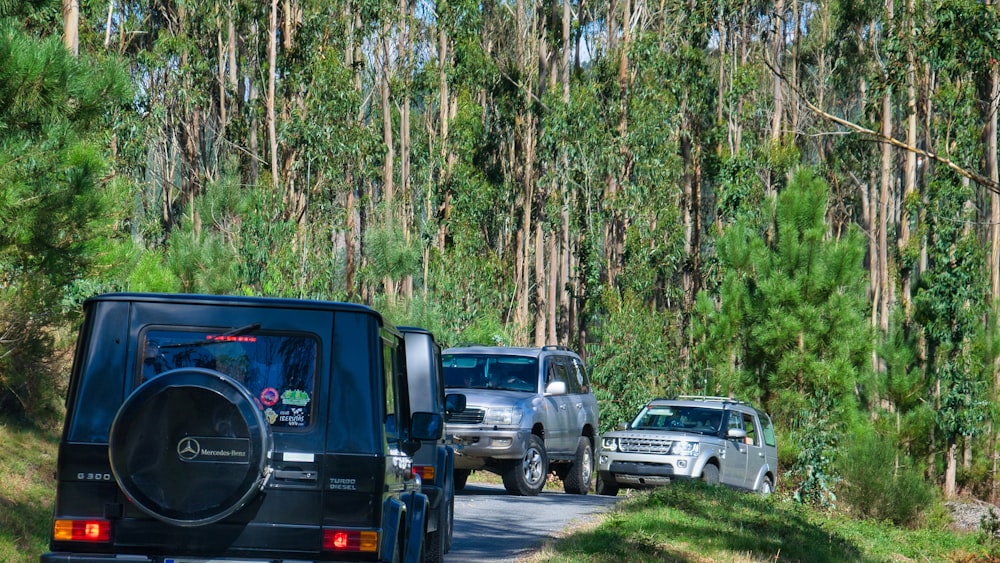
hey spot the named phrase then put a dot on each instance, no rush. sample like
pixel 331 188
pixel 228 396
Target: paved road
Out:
pixel 492 526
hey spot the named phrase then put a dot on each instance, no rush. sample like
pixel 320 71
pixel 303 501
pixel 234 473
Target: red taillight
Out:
pixel 365 541
pixel 82 530
pixel 426 472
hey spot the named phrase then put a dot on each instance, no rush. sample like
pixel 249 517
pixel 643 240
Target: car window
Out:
pixel 735 421
pixel 574 381
pixel 278 369
pixel 557 372
pixel 751 428
pixel 483 371
pixel 577 368
pixel 690 419
pixel 767 430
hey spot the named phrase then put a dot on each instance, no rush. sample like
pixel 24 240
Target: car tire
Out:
pixel 526 476
pixel 577 479
pixel 766 487
pixel 606 489
pixel 461 478
pixel 190 447
pixel 710 474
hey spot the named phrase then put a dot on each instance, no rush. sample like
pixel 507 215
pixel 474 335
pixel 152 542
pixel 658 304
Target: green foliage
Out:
pixel 632 358
pixel 54 217
pixel 879 482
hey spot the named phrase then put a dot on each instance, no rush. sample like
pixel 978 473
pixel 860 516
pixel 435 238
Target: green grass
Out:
pixel 27 491
pixel 691 522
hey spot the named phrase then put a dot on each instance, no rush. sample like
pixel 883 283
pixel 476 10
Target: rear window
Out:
pixel 278 369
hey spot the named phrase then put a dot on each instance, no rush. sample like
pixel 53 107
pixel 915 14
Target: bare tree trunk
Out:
pixel 994 174
pixel 777 47
pixel 951 470
pixel 71 26
pixel 351 234
pixel 885 191
pixel 272 71
pixel 539 285
pixel 910 168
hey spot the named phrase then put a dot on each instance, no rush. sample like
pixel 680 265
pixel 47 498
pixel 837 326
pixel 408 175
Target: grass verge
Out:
pixel 690 522
pixel 27 491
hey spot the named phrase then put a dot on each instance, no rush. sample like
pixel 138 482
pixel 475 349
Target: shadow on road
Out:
pixel 492 526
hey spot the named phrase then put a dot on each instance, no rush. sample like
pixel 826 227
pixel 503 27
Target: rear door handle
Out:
pixel 295 475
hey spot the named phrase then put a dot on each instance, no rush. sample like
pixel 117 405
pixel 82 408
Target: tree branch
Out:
pixel 974 176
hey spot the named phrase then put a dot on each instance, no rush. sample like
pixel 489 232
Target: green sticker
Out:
pixel 295 397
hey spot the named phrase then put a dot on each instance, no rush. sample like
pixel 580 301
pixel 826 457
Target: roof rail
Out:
pixel 709 398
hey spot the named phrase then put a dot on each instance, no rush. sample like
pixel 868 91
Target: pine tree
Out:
pixel 796 295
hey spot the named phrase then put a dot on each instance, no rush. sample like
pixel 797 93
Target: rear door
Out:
pixel 734 466
pixel 561 412
pixel 755 450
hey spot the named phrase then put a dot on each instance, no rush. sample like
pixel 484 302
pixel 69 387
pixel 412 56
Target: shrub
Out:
pixel 879 483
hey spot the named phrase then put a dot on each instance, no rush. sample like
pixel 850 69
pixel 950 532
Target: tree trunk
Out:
pixel 951 470
pixel 272 71
pixel 777 47
pixel 71 26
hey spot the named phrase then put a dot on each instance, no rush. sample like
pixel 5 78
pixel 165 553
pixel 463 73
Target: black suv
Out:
pixel 435 461
pixel 204 428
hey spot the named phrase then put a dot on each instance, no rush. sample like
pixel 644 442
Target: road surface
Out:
pixel 492 526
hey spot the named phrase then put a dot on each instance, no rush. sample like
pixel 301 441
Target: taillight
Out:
pixel 426 472
pixel 365 541
pixel 82 530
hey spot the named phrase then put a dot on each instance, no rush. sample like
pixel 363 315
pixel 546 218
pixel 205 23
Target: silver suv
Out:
pixel 528 411
pixel 716 439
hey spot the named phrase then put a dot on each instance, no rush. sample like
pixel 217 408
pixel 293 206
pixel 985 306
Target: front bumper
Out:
pixel 476 446
pixel 646 470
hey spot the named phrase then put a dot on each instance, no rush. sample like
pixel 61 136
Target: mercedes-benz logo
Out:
pixel 188 448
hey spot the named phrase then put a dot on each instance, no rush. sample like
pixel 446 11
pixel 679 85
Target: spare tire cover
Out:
pixel 190 447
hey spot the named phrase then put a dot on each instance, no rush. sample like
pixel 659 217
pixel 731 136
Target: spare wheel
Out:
pixel 190 447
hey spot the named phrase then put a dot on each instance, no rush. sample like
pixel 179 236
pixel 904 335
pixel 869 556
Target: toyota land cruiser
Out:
pixel 528 410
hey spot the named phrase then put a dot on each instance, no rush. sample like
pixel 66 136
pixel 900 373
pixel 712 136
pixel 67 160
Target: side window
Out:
pixel 389 370
pixel 767 430
pixel 735 421
pixel 751 429
pixel 573 379
pixel 557 372
pixel 579 373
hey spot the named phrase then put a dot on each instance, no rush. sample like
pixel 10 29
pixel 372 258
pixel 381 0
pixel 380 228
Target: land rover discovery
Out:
pixel 716 439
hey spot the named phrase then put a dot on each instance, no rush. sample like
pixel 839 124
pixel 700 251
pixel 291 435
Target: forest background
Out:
pixel 789 201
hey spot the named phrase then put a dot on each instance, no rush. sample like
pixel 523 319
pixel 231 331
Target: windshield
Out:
pixel 277 369
pixel 687 419
pixel 473 371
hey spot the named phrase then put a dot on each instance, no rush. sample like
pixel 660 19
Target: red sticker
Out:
pixel 269 396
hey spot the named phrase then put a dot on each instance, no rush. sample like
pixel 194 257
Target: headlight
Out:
pixel 609 444
pixel 685 448
pixel 503 416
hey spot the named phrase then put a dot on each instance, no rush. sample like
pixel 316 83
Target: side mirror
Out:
pixel 454 402
pixel 622 426
pixel 736 434
pixel 556 388
pixel 426 426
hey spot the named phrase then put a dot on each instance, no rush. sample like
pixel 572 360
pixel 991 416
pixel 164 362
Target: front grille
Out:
pixel 644 445
pixel 468 416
